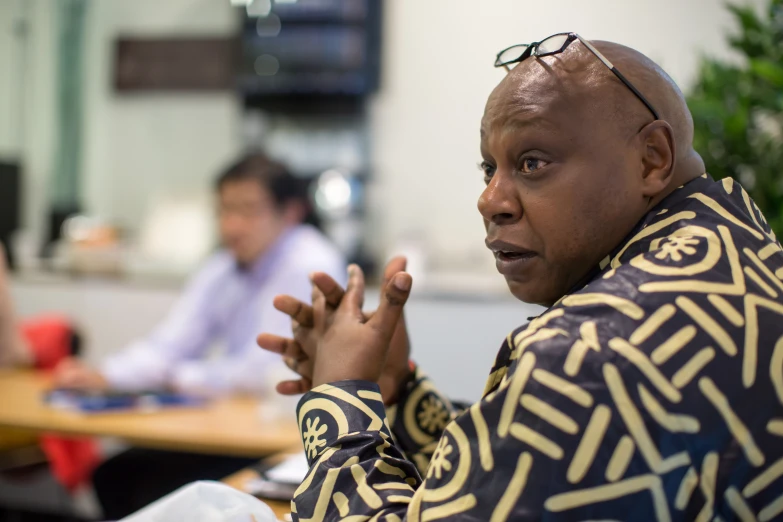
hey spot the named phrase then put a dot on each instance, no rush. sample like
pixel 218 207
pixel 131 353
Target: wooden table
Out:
pixel 230 426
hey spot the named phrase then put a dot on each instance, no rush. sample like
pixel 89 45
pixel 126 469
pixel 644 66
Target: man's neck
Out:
pixel 258 260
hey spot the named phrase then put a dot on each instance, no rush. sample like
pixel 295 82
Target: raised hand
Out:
pixel 299 352
pixel 351 345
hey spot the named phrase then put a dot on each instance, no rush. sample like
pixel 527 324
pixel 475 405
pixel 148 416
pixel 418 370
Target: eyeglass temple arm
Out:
pixel 636 92
pixel 619 75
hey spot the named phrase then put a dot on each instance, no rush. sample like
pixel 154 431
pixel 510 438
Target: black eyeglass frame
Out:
pixel 533 50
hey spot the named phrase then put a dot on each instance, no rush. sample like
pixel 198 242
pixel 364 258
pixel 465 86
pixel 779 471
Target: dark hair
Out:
pixel 273 176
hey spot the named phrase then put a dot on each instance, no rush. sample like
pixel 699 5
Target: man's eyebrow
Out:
pixel 521 122
pixel 518 122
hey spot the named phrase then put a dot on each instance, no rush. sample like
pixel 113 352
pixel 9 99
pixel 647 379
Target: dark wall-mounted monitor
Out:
pixel 310 49
pixel 10 203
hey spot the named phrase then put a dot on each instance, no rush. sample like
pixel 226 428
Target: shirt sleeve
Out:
pixel 251 369
pixel 356 468
pixel 185 334
pixel 419 418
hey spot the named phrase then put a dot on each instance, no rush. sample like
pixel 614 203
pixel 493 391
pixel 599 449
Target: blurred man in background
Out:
pixel 207 343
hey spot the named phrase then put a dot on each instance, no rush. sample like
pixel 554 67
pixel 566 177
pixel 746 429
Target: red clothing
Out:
pixel 72 459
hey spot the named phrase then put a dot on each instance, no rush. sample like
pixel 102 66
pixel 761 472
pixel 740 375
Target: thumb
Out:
pixel 395 265
pixel 395 295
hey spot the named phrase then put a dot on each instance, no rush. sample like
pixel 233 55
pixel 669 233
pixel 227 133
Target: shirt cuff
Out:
pixel 135 369
pixel 331 411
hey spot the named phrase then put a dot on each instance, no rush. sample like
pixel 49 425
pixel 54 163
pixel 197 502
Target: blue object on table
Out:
pixel 93 402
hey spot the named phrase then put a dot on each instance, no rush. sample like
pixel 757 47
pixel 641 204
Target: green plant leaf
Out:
pixel 734 109
pixel 768 70
pixel 746 16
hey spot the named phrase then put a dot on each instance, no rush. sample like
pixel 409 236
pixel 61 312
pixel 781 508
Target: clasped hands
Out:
pixel 334 340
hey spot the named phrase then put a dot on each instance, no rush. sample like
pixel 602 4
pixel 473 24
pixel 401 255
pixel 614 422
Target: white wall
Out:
pixel 144 147
pixel 27 68
pixel 9 85
pixel 437 74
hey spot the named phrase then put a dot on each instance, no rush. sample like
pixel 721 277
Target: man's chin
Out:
pixel 533 291
pixel 243 258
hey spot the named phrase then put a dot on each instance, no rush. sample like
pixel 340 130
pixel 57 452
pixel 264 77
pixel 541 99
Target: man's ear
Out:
pixel 658 151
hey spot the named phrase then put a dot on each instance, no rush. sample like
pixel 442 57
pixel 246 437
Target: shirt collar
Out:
pixel 680 194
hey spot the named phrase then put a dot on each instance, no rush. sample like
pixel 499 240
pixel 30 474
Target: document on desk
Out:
pixel 281 481
pixel 291 471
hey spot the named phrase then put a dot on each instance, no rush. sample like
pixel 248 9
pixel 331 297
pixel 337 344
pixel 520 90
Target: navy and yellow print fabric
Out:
pixel 654 392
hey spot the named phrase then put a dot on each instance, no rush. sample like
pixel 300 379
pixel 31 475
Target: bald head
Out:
pixel 573 159
pixel 659 89
pixel 580 77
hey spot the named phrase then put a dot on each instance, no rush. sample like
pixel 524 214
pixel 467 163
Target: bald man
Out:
pixel 651 388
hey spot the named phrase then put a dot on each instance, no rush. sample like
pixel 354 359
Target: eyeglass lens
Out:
pixel 552 44
pixel 512 53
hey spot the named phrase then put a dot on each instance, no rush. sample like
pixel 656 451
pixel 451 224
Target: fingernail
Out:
pixel 352 270
pixel 311 276
pixel 402 283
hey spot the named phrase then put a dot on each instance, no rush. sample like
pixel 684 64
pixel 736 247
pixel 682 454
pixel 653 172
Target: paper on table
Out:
pixel 291 471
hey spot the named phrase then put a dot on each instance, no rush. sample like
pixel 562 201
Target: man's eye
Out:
pixel 487 169
pixel 530 165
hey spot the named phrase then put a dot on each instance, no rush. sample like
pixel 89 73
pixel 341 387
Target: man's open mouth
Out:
pixel 512 256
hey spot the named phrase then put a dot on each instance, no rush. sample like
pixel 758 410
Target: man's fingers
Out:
pixel 331 289
pixel 395 294
pixel 297 387
pixel 73 380
pixel 303 367
pixel 68 362
pixel 354 294
pixel 296 309
pixel 282 345
pixel 65 369
pixel 395 264
pixel 319 310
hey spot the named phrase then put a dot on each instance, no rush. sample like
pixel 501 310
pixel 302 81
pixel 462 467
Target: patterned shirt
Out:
pixel 653 392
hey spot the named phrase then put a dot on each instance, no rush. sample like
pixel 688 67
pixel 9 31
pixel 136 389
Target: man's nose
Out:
pixel 231 222
pixel 499 203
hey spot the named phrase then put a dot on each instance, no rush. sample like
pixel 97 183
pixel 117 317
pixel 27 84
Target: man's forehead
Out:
pixel 541 88
pixel 521 99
